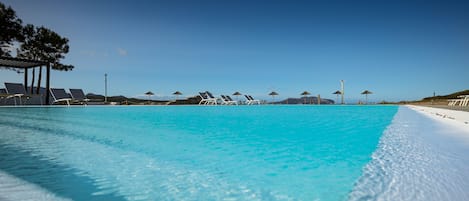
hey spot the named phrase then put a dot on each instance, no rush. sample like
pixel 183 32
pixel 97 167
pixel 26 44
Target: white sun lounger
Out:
pixel 250 100
pixel 59 95
pixel 206 99
pixel 453 102
pixel 79 96
pixel 462 101
pixel 15 91
pixel 226 100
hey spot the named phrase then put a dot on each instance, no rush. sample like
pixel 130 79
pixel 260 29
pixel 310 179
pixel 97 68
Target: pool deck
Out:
pixel 444 114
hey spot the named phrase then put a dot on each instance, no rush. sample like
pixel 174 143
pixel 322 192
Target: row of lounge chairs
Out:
pixel 19 95
pixel 207 98
pixel 462 100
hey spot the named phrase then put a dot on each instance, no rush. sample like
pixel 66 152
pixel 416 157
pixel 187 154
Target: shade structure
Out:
pixel 237 94
pixel 273 94
pixel 366 92
pixel 149 94
pixel 304 94
pixel 337 93
pixel 25 64
pixel 177 94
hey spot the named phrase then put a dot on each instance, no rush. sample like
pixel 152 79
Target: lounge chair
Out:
pixel 250 100
pixel 206 99
pixel 464 100
pixel 59 95
pixel 230 99
pixel 15 91
pixel 79 96
pixel 453 102
pixel 226 101
pixel 3 94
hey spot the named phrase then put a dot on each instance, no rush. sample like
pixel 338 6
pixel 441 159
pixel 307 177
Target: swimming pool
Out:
pixel 192 152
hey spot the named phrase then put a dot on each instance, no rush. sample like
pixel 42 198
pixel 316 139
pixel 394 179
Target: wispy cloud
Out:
pixel 121 52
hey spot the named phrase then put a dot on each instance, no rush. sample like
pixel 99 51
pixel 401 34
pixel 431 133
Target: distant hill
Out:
pixel 305 100
pixel 449 96
pixel 120 99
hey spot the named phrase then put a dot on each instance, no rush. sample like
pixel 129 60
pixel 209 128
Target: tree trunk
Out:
pixel 32 80
pixel 39 80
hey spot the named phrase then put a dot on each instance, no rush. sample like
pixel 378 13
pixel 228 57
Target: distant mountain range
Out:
pixel 305 100
pixel 449 96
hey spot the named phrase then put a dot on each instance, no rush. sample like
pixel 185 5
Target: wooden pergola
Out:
pixel 26 64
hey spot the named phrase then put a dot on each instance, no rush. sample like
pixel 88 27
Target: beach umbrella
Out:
pixel 366 92
pixel 273 94
pixel 149 94
pixel 237 94
pixel 304 94
pixel 337 93
pixel 177 94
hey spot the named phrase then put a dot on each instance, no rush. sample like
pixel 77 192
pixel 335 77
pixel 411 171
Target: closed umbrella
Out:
pixel 304 94
pixel 366 92
pixel 273 94
pixel 337 93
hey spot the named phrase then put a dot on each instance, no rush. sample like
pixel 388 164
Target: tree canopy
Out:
pixel 10 26
pixel 36 43
pixel 43 44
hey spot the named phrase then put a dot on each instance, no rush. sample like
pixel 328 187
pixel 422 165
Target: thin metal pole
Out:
pixel 105 87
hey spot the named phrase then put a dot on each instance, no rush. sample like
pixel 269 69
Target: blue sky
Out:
pixel 400 50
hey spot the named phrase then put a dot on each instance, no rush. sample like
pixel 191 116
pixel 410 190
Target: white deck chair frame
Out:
pixel 225 101
pixel 59 99
pixel 250 100
pixel 206 100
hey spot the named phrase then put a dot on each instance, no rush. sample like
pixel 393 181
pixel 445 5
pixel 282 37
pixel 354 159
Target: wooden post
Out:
pixel 48 85
pixel 342 91
pixel 26 79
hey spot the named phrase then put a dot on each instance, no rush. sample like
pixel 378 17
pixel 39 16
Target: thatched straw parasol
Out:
pixel 273 94
pixel 337 93
pixel 237 94
pixel 304 94
pixel 366 92
pixel 177 94
pixel 149 94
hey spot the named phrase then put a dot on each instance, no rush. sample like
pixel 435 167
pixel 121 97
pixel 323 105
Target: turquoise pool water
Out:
pixel 192 152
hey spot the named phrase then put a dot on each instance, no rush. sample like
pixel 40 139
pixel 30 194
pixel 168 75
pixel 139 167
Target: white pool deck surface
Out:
pixel 422 155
